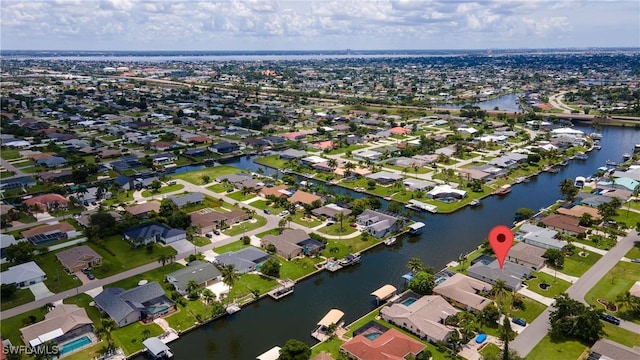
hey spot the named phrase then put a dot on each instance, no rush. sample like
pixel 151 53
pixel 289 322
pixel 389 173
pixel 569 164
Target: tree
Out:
pixel 104 222
pixel 217 309
pixel 7 290
pixel 191 285
pixel 163 259
pixel 523 213
pixel 422 283
pixel 554 258
pixel 229 274
pixel 271 267
pixel 506 335
pixel 610 209
pixel 573 319
pixel 20 252
pixel 415 265
pixel 586 220
pixel 340 219
pixel 295 350
pixel 167 207
pixel 179 219
pixel 489 315
pixel 568 189
pixel 624 300
pixel 155 185
pixel 499 290
pixel 207 295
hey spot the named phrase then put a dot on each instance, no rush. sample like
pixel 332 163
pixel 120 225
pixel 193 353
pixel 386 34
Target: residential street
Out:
pixel 533 334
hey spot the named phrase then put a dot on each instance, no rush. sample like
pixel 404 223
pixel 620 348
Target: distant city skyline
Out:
pixel 316 25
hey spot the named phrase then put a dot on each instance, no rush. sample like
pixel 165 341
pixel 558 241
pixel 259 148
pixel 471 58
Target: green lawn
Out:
pixel 126 257
pixel 163 190
pixel 620 335
pixel 88 353
pixel 297 268
pixel 239 196
pixel 550 350
pixel 576 265
pixel 130 337
pixel 20 297
pixel 244 226
pixel 195 177
pixel 10 154
pixel 158 275
pixel 234 246
pixel 630 218
pixel 57 279
pixel 617 281
pixel 260 204
pixel 273 161
pixel 251 282
pixel 343 150
pixel 200 241
pixel 219 188
pixel 490 350
pixel 83 300
pixel 558 286
pixel 188 315
pixel 347 246
pixel 11 327
pixel 634 253
pixel 120 197
pixel 335 229
pixel 302 219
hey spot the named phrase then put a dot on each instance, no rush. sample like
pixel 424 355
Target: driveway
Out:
pixel 183 246
pixel 40 290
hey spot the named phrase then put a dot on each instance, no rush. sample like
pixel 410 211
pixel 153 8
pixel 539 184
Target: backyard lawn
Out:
pixel 130 337
pixel 550 350
pixel 91 352
pixel 558 286
pixel 249 283
pixel 126 257
pixel 11 327
pixel 335 229
pixel 194 311
pixel 21 296
pixel 297 268
pixel 195 177
pixel 617 281
pixel 273 161
pixel 340 248
pixel 57 279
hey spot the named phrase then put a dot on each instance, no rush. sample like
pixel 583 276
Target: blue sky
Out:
pixel 313 25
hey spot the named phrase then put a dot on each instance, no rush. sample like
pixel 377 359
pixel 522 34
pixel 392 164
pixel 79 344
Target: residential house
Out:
pixel 527 255
pixel 23 275
pixel 564 224
pixel 291 154
pixel 384 177
pixel 379 224
pixel 541 237
pixel 143 210
pixel 511 273
pixel 425 317
pixel 46 202
pixel 398 130
pixel 509 160
pixel 52 162
pixel 244 260
pixel 366 155
pixel 330 211
pixel 79 257
pixel 55 176
pixel 196 152
pixel 153 232
pixel 390 345
pixel 209 221
pixel 446 191
pixel 277 191
pixel 323 145
pixel 292 243
pixel 48 233
pixel 578 211
pixel 187 199
pixel 305 198
pixel 21 182
pixel 145 302
pixel 164 158
pixel 224 147
pixel 605 349
pixel 62 323
pixel 202 273
pixel 464 292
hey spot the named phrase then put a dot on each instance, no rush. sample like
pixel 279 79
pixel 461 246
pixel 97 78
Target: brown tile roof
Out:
pixel 303 197
pixel 391 345
pixel 273 191
pixel 564 222
pixel 464 290
pixel 43 201
pixel 64 317
pixel 61 227
pixel 578 210
pixel 70 257
pixel 204 220
pixel 144 208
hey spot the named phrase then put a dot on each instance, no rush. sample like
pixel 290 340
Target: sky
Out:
pixel 316 24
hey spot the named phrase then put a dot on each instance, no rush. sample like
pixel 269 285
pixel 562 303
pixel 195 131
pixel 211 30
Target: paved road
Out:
pixel 16 172
pixel 533 334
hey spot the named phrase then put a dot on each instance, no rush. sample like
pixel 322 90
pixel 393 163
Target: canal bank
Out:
pixel 263 324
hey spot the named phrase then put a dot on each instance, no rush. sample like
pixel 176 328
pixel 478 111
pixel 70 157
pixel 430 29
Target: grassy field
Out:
pixel 490 350
pixel 130 337
pixel 195 177
pixel 21 296
pixel 576 265
pixel 163 190
pixel 273 161
pixel 550 350
pixel 126 257
pixel 341 247
pixel 300 218
pixel 91 352
pixel 219 188
pixel 158 275
pixel 251 282
pixel 240 228
pixel 10 154
pixel 187 316
pixel 630 218
pixel 239 196
pixel 558 286
pixel 634 253
pixel 234 246
pixel 57 279
pixel 619 280
pixel 10 327
pixel 297 268
pixel 620 335
pixel 335 229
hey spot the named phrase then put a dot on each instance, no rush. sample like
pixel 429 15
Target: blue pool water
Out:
pixel 372 336
pixel 75 344
pixel 409 301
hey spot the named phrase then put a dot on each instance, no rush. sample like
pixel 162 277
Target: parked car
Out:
pixel 266 211
pixel 519 321
pixel 610 319
pixel 85 271
pixel 329 223
pixel 94 203
pixel 90 276
pixel 284 213
pixel 635 260
pixel 217 232
pixel 208 235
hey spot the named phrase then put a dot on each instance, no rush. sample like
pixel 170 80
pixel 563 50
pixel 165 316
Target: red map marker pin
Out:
pixel 501 239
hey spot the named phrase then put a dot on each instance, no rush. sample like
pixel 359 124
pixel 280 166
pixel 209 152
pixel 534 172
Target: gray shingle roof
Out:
pixel 118 303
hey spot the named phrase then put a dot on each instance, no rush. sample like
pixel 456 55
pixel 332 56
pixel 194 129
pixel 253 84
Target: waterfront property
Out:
pixel 512 274
pixel 564 224
pixel 383 293
pixel 332 318
pixel 292 243
pixel 23 275
pixel 331 211
pixel 201 273
pixel 157 349
pixel 63 323
pixel 374 343
pixel 144 302
pixel 541 237
pixel 423 316
pixel 153 232
pixel 527 255
pixel 78 258
pixel 379 224
pixel 464 292
pixel 245 260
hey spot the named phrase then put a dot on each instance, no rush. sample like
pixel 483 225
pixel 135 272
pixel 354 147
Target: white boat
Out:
pixel 475 202
pixel 233 308
pixel 581 156
pixel 579 182
pixel 390 241
pixel 595 136
pixel 520 179
pixel 626 156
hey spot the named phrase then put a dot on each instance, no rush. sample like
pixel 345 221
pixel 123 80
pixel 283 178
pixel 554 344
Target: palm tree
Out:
pixel 415 265
pixel 333 164
pixel 229 274
pixel 340 218
pixel 499 290
pixel 628 301
pixel 207 296
pixel 568 189
pixel 163 259
pixel 105 329
pixel 191 285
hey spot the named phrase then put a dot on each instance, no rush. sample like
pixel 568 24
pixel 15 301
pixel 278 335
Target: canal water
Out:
pixel 507 102
pixel 267 323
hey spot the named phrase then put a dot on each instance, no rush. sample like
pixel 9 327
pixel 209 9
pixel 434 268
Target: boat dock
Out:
pixel 419 205
pixel 283 290
pixel 416 227
pixel 322 332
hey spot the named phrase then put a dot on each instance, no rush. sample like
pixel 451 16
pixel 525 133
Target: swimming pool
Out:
pixel 373 336
pixel 74 345
pixel 409 301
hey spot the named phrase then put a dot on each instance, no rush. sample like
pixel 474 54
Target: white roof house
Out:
pixel 23 275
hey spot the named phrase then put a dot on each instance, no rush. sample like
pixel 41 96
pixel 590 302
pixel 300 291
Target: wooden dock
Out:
pixel 283 290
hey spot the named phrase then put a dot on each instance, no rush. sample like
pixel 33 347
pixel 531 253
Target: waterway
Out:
pixel 507 102
pixel 267 323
